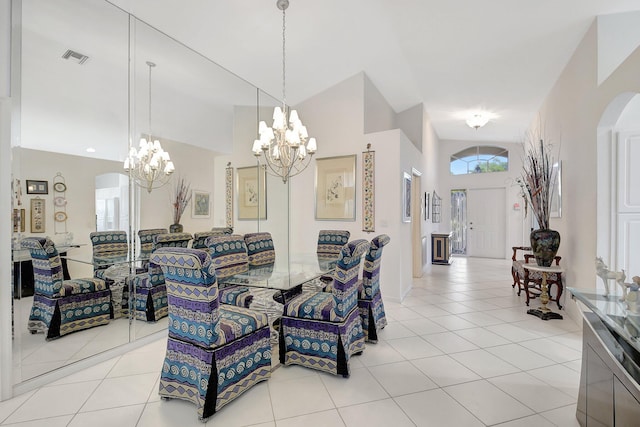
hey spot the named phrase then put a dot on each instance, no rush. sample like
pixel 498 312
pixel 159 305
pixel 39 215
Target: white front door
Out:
pixel 486 222
pixel 628 206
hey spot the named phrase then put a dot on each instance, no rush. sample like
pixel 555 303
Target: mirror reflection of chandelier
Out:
pixel 149 165
pixel 286 146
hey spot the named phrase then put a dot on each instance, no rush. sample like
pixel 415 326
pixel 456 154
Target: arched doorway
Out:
pixel 618 191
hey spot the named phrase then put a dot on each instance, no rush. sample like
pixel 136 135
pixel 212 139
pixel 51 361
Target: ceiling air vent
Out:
pixel 76 56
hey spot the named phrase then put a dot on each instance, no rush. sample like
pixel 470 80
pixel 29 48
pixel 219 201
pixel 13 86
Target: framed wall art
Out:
pixel 252 193
pixel 336 188
pixel 368 190
pixel 406 197
pixel 555 210
pixel 37 187
pixel 200 204
pixel 37 215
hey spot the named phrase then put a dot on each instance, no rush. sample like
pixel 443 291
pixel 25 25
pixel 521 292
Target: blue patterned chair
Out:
pixel 200 238
pixel 369 296
pixel 63 306
pixel 330 242
pixel 229 256
pixel 260 249
pixel 322 330
pixel 215 352
pixel 146 243
pixel 109 247
pixel 151 291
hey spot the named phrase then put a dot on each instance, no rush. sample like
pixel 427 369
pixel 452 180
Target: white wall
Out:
pixel 516 233
pixel 572 112
pixel 337 117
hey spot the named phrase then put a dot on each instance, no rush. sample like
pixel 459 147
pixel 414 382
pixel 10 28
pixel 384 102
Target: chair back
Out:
pixel 228 254
pixel 47 267
pixel 192 292
pixel 330 242
pixel 345 276
pixel 223 230
pixel 146 240
pixel 165 240
pixel 371 270
pixel 109 247
pixel 260 248
pixel 200 238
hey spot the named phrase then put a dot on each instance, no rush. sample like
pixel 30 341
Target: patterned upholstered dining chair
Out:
pixel 260 249
pixel 322 330
pixel 109 247
pixel 369 296
pixel 229 257
pixel 200 238
pixel 146 242
pixel 330 242
pixel 215 352
pixel 151 292
pixel 63 306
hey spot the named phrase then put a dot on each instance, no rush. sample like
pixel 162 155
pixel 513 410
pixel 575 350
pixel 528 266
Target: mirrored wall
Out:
pixel 86 96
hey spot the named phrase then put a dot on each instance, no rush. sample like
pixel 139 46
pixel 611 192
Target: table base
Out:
pixel 544 315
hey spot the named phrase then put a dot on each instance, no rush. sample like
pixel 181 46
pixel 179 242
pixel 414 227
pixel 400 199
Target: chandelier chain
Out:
pixel 284 94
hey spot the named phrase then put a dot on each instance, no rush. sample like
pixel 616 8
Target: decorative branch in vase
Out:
pixel 536 182
pixel 180 201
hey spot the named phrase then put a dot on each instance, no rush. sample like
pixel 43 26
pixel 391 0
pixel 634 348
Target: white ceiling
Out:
pixel 453 56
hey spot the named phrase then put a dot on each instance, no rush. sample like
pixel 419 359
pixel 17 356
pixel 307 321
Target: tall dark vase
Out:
pixel 544 245
pixel 176 228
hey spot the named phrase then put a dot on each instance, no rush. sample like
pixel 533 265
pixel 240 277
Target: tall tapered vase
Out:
pixel 544 245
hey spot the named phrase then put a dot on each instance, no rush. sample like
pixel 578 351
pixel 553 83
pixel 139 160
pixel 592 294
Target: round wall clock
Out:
pixel 60 187
pixel 59 201
pixel 60 216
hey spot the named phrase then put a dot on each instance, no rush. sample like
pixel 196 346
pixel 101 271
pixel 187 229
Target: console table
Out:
pixel 441 248
pixel 609 393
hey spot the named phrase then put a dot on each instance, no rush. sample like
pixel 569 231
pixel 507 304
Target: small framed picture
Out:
pixel 406 197
pixel 200 203
pixel 37 187
pixel 37 216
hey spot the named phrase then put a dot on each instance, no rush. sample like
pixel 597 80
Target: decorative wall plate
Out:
pixel 60 187
pixel 60 216
pixel 59 201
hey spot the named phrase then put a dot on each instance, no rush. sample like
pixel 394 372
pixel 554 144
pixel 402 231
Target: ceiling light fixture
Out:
pixel 150 166
pixel 284 145
pixel 477 120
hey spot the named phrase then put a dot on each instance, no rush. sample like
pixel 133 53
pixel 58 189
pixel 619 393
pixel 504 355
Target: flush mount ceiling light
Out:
pixel 75 56
pixel 477 120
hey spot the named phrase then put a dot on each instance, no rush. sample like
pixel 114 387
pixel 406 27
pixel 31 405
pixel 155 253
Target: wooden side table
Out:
pixel 543 311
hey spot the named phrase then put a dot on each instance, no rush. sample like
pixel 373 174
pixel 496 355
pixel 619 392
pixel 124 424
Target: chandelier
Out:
pixel 149 165
pixel 286 146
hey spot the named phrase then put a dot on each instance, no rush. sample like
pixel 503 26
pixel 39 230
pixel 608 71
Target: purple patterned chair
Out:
pixel 229 256
pixel 63 306
pixel 260 249
pixel 322 330
pixel 215 352
pixel 151 291
pixel 369 296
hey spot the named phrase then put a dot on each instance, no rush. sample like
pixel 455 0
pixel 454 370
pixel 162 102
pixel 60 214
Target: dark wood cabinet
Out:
pixel 441 248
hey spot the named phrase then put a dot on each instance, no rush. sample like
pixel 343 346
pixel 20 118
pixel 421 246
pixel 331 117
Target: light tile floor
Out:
pixel 459 351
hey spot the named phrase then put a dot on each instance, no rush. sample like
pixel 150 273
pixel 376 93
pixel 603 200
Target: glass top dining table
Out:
pixel 283 275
